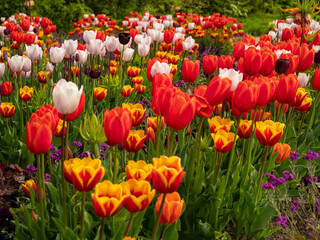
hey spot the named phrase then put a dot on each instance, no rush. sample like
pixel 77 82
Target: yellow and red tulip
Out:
pixel 7 109
pixel 26 93
pixel 134 141
pixel 217 123
pixel 223 140
pixel 139 170
pixel 100 93
pixel 283 151
pixel 137 112
pixel 269 132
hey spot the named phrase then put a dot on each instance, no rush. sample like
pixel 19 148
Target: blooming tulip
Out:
pixel 58 131
pixel 188 43
pixel 268 62
pixel 7 109
pixel 42 76
pixel 287 88
pixel 235 77
pixel 26 93
pixel 217 123
pixel 303 79
pixel 244 131
pixel 34 52
pixel 159 67
pixel 117 123
pixel 95 46
pixel 84 173
pixel 134 141
pixel 265 91
pixel 88 35
pixel 127 54
pixel 305 105
pixel 306 58
pixel 133 71
pixel 111 43
pixel 139 170
pixel 152 122
pixel 268 132
pixel 74 115
pixel 2 68
pixel 167 174
pixel 82 56
pixel 16 63
pixel 66 96
pixel 210 64
pixel 137 113
pixel 57 54
pixel 252 61
pixel 143 49
pixel 245 96
pixel 70 46
pixel 26 64
pixel 226 61
pixel 190 70
pixel 126 91
pixel 100 93
pixel 283 151
pixel 223 140
pixel 218 90
pixel 29 184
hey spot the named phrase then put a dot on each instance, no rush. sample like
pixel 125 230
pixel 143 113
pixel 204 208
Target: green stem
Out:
pixel 130 155
pixel 43 234
pixel 312 117
pixel 171 140
pixel 162 232
pixel 101 229
pixel 95 151
pixel 158 135
pixel 116 165
pixel 287 125
pixel 83 200
pixel 218 168
pixel 261 174
pixel 128 226
pixel 42 173
pixel 63 184
pixel 154 232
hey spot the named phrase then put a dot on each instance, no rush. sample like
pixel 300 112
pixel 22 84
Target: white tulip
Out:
pixel 2 68
pixel 316 48
pixel 158 26
pixel 70 46
pixel 273 34
pixel 88 35
pixel 25 74
pixel 188 43
pixel 143 50
pixel 66 96
pixel 191 26
pixel 83 55
pixel 49 67
pixel 160 68
pixel 111 43
pixel 57 54
pixel 95 46
pixel 16 63
pixel 235 76
pixel 127 54
pixel 303 79
pixel 26 64
pixel 34 52
pixel 279 52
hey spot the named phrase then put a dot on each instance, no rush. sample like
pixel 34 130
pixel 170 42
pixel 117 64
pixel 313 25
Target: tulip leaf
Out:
pixel 206 230
pixel 137 223
pixel 171 232
pixel 65 231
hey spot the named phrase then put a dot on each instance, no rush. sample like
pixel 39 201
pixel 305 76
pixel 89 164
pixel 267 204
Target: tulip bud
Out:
pixel 87 70
pixel 282 66
pixel 124 38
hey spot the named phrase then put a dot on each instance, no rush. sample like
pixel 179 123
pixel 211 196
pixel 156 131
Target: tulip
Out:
pixel 6 88
pixel 26 64
pixel 100 93
pixel 159 67
pixel 223 141
pixel 143 50
pixel 133 71
pixel 252 61
pixel 287 34
pixel 137 80
pixel 306 58
pixel 226 61
pixel 138 195
pixel 74 115
pixel 239 50
pixel 126 91
pixel 203 108
pixel 178 45
pixel 42 76
pixel 58 131
pixel 134 141
pixel 152 122
pixel 283 150
pixel 89 35
pixel 127 54
pixel 245 96
pixel 218 90
pixel 190 70
pixel 188 43
pixel 16 63
pixel 168 36
pixel 34 52
pixel 210 64
pixel 2 68
pixel 282 66
pixel 268 132
pixel 82 56
pixel 303 79
pixel 95 46
pixel 124 38
pixel 26 93
pixel 268 62
pixel 66 96
pixel 30 184
pixel 117 123
pixel 46 115
pixel 7 109
pixel 70 46
pixel 244 131
pixel 139 170
pixel 111 43
pixel 30 38
pixel 38 137
pixel 167 174
pixel 172 208
pixel 107 199
pixel 265 92
pixel 287 88
pixel 57 54
pixel 294 62
pixel 305 105
pixel 316 80
pixel 235 77
pixel 84 173
pixel 137 113
pixel 217 123
pixel 299 97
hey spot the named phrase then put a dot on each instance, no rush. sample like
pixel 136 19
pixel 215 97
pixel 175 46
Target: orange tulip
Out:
pixel 42 76
pixel 306 58
pixel 126 91
pixel 167 174
pixel 178 46
pixel 268 132
pixel 138 195
pixel 117 123
pixel 137 112
pixel 244 131
pixel 84 173
pixel 210 64
pixel 133 71
pixel 223 140
pixel 287 88
pixel 29 184
pixel 283 151
pixel 172 208
pixel 7 109
pixel 107 199
pixel 217 90
pixel 252 61
pixel 26 93
pixel 217 123
pixel 100 93
pixel 134 141
pixel 139 170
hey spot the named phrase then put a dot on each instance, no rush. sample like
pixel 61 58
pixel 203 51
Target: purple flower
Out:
pixel 282 221
pixel 103 147
pixel 47 177
pixel 293 207
pixel 309 234
pixel 77 144
pixel 271 177
pixel 30 169
pixel 288 176
pixel 52 147
pixel 311 155
pixel 267 186
pixel 294 155
pixel 278 182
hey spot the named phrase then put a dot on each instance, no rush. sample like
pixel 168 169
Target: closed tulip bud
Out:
pixel 2 68
pixel 38 137
pixel 223 140
pixel 95 46
pixel 57 54
pixel 133 71
pixel 226 61
pixel 218 90
pixel 245 97
pixel 172 208
pixel 283 150
pixel 126 91
pixel 210 64
pixel 303 79
pixel 239 50
pixel 244 131
pixel 306 58
pixel 316 79
pixel 127 54
pixel 58 131
pixel 16 63
pixel 6 88
pixel 143 50
pixel 100 93
pixel 190 70
pixel 134 141
pixel 282 66
pixel 305 105
pixel 167 174
pixel 107 199
pixel 268 62
pixel 34 52
pixel 88 35
pixel 29 185
pixel 287 88
pixel 111 43
pixel 252 61
pixel 70 46
pixel 30 38
pixel 42 76
pixel 7 109
pixel 66 96
pixel 217 123
pixel 84 173
pixel 168 36
pixel 26 93
pixel 117 123
pixel 139 170
pixel 137 113
pixel 138 195
pixel 268 132
pixel 124 38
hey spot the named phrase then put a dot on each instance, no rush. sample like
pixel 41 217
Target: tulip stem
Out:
pixel 42 172
pixel 128 226
pixel 162 232
pixel 312 117
pixel 63 184
pixel 171 141
pixel 101 229
pixel 83 200
pixel 115 165
pixel 261 174
pixel 218 168
pixel 154 232
pixel 287 125
pixel 43 234
pixel 130 155
pixel 158 135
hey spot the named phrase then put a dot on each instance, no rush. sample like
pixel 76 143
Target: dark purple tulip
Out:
pixel 282 66
pixel 124 38
pixel 95 74
pixel 87 70
pixel 317 57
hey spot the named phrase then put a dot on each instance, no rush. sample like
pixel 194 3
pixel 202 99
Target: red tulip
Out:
pixel 38 137
pixel 168 36
pixel 252 61
pixel 265 91
pixel 269 59
pixel 306 57
pixel 245 96
pixel 239 49
pixel 6 88
pixel 190 70
pixel 217 90
pixel 210 64
pixel 73 116
pixel 316 80
pixel 287 34
pixel 226 61
pixel 287 88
